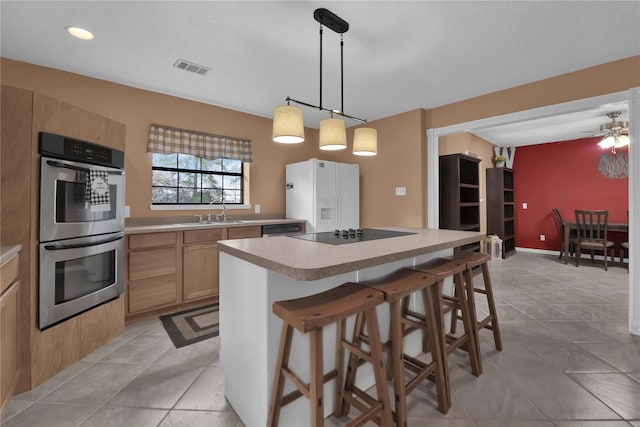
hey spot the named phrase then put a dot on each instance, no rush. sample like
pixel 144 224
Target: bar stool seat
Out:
pixel 441 269
pixel 310 315
pixel 490 322
pixel 398 287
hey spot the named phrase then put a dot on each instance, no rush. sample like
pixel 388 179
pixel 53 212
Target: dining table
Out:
pixel 622 227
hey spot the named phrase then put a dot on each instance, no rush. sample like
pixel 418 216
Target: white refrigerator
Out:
pixel 325 194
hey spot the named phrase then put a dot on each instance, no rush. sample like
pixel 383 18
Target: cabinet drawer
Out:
pixel 8 273
pixel 245 232
pixel 153 292
pixel 152 263
pixel 201 236
pixel 152 240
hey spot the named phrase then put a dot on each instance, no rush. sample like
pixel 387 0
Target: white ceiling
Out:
pixel 398 55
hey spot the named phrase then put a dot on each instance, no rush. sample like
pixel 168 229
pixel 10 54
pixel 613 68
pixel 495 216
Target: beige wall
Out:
pixel 401 162
pixel 137 109
pixel 401 138
pixel 599 80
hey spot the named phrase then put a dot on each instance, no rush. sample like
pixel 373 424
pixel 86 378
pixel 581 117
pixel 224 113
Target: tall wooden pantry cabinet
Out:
pixel 501 208
pixel 460 194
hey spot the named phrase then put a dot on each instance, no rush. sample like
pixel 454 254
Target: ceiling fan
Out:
pixel 615 133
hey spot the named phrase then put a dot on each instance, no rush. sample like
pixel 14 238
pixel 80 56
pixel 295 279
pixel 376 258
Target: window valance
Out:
pixel 166 140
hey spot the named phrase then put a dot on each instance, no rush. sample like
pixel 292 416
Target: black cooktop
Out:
pixel 340 237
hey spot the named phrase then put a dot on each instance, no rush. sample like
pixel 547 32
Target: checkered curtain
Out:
pixel 166 140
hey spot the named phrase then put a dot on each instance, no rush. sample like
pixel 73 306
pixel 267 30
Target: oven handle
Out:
pixel 58 247
pixel 76 168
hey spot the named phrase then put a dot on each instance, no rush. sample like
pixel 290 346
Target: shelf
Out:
pixel 460 193
pixel 501 207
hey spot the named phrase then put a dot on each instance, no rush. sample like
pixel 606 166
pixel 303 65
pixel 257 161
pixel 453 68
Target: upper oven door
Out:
pixel 78 199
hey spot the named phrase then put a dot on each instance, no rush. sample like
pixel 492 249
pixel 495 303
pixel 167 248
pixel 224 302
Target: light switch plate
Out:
pixel 127 212
pixel 256 208
pixel 401 191
pixel 524 206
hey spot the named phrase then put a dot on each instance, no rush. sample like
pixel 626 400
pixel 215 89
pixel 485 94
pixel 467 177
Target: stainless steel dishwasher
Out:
pixel 286 229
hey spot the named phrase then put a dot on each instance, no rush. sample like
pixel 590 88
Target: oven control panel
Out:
pixel 83 151
pixel 63 147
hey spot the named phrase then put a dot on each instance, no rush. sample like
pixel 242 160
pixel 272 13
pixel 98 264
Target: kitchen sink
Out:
pixel 209 224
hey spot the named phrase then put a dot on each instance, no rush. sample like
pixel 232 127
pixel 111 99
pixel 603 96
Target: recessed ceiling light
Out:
pixel 78 32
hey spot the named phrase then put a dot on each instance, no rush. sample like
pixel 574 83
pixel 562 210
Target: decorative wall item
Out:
pixel 614 166
pixel 506 153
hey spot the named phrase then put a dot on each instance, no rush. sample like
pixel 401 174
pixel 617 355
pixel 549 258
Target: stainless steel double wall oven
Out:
pixel 81 227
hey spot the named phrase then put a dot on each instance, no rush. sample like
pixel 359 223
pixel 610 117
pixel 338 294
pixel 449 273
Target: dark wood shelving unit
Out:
pixel 501 208
pixel 460 195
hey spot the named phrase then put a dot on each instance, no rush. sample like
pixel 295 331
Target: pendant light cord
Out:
pixel 341 74
pixel 320 108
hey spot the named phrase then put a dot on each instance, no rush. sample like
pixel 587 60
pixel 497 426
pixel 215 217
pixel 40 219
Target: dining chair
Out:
pixel 592 229
pixel 572 236
pixel 624 246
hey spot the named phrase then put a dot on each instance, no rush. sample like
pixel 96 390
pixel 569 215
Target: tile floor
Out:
pixel 568 361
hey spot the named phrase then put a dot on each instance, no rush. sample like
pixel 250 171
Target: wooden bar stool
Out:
pixel 441 269
pixel 398 287
pixel 310 315
pixel 471 260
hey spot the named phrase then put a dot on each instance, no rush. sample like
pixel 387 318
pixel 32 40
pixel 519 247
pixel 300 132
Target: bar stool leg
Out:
pixel 278 383
pixel 352 365
pixel 495 326
pixel 433 309
pixel 397 359
pixel 377 361
pixel 472 343
pixel 469 292
pixel 339 390
pixel 316 383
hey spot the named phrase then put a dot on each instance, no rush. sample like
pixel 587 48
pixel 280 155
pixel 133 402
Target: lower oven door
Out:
pixel 79 274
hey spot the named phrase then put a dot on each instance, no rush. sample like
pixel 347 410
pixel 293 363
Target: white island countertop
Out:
pixel 306 260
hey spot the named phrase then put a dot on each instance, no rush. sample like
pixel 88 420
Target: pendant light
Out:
pixel 365 142
pixel 288 124
pixel 333 134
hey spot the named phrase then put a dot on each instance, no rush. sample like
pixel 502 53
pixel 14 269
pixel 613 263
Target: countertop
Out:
pixel 194 225
pixel 306 260
pixel 8 251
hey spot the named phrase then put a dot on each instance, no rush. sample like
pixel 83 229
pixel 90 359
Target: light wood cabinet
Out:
pixel 24 114
pixel 152 271
pixel 245 232
pixel 200 263
pixel 169 270
pixel 9 330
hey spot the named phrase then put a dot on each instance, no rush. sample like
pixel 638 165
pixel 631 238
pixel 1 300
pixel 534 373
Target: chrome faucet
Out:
pixel 224 210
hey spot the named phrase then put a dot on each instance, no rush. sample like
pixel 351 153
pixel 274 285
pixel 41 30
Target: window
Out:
pixel 186 179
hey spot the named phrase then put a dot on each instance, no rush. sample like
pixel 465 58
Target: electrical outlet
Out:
pixel 524 206
pixel 401 191
pixel 256 208
pixel 542 237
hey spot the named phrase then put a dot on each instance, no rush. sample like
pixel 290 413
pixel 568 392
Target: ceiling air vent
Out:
pixel 190 66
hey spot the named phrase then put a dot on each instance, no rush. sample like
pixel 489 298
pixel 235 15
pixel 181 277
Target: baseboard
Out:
pixel 584 255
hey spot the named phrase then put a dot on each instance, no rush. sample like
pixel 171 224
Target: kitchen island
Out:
pixel 254 273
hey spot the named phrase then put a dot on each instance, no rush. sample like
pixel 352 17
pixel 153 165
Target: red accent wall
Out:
pixel 563 175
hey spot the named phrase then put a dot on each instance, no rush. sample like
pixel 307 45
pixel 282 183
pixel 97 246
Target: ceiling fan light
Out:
pixel 607 142
pixel 333 134
pixel 621 141
pixel 288 126
pixel 365 142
